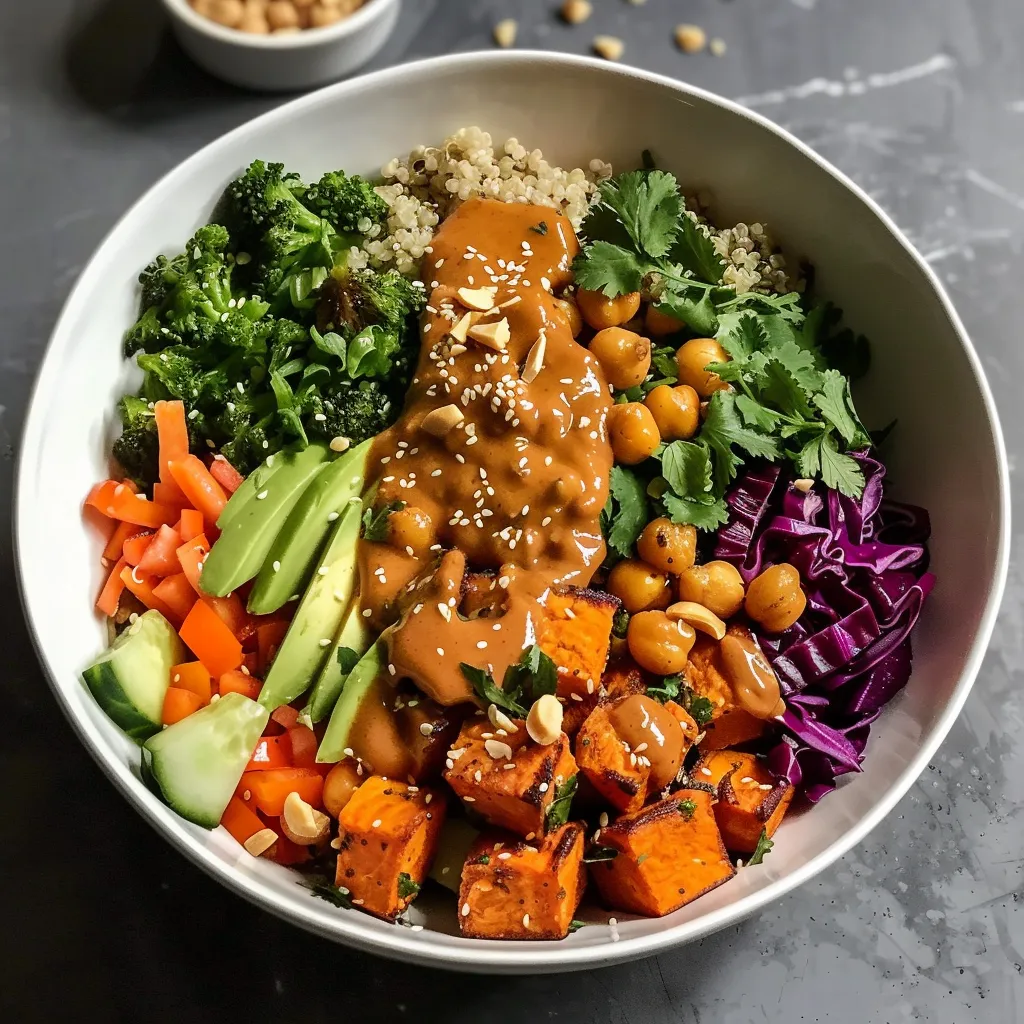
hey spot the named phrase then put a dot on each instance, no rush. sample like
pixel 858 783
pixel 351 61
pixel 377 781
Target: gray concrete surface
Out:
pixel 921 101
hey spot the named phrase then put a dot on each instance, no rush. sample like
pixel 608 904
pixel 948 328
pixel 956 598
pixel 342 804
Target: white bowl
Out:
pixel 947 453
pixel 282 62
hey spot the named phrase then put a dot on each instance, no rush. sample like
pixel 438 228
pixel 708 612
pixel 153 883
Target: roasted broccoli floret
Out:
pixel 355 411
pixel 353 300
pixel 348 202
pixel 136 450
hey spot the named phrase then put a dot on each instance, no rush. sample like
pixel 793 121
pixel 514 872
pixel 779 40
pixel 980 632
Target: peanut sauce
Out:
pixel 515 478
pixel 652 732
pixel 750 674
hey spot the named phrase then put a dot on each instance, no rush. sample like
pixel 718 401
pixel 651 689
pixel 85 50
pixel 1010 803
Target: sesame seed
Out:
pixel 376 823
pixel 465 910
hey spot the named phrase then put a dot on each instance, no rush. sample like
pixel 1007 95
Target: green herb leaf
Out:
pixel 534 676
pixel 667 690
pixel 620 624
pixel 834 405
pixel 488 691
pixel 558 811
pixel 663 361
pixel 648 205
pixel 693 306
pixel 741 334
pixel 761 850
pixel 575 925
pixel 608 268
pixel 699 708
pixel 375 524
pixel 687 808
pixel 694 251
pixel 407 888
pixel 686 467
pixel 839 471
pixel 626 513
pixel 329 342
pixel 347 659
pixel 326 890
pixel 700 515
pixel 723 428
pixel 756 415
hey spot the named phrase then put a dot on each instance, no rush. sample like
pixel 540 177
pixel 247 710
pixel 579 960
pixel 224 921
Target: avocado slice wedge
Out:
pixel 255 514
pixel 319 616
pixel 292 557
pixel 359 686
pixel 356 637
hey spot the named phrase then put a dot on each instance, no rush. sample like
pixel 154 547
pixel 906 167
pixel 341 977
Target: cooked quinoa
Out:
pixel 427 185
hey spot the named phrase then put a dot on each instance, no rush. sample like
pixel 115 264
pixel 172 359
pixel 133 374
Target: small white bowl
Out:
pixel 573 109
pixel 274 63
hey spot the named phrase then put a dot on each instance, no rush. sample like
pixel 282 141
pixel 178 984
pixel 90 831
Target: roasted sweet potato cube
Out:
pixel 574 630
pixel 387 836
pixel 686 723
pixel 507 778
pixel 668 854
pixel 517 890
pixel 607 763
pixel 622 678
pixel 730 725
pixel 426 748
pixel 750 797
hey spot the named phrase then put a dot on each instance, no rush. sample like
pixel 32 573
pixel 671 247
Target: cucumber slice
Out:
pixel 131 678
pixel 358 686
pixel 303 650
pixel 354 635
pixel 197 762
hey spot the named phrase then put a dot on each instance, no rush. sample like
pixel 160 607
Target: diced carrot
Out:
pixel 169 494
pixel 110 595
pixel 210 640
pixel 190 558
pixel 177 593
pixel 172 435
pixel 268 789
pixel 179 704
pixel 241 821
pixel 202 491
pixel 122 532
pixel 191 524
pixel 161 557
pixel 268 638
pixel 271 752
pixel 194 676
pixel 142 586
pixel 304 744
pixel 134 548
pixel 225 474
pixel 131 485
pixel 238 682
pixel 285 716
pixel 119 501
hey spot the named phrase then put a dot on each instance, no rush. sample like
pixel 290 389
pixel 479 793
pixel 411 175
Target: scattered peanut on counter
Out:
pixel 280 17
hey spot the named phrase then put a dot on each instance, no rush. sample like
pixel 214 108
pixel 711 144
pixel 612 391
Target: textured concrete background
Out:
pixel 922 102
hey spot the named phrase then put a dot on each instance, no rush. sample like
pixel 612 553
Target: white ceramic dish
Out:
pixel 275 63
pixel 924 366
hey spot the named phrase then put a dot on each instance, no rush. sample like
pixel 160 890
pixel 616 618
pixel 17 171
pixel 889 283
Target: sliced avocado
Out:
pixel 250 527
pixel 292 558
pixel 457 836
pixel 358 686
pixel 316 623
pixel 353 635
pixel 130 679
pixel 195 764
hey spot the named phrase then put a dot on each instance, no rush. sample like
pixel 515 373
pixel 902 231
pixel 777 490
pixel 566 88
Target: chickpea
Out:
pixel 339 785
pixel 774 599
pixel 411 527
pixel 660 325
pixel 227 12
pixel 572 313
pixel 658 644
pixel 691 360
pixel 716 585
pixel 600 312
pixel 675 410
pixel 282 14
pixel 670 547
pixel 624 356
pixel 633 432
pixel 255 21
pixel 638 586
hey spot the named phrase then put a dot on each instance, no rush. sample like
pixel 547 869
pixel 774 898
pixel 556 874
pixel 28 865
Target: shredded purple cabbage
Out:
pixel 863 563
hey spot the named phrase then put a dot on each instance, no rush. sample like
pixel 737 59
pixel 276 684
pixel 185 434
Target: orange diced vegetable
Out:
pixel 730 725
pixel 286 716
pixel 271 752
pixel 668 854
pixel 202 491
pixel 190 558
pixel 194 676
pixel 303 746
pixel 386 831
pixel 177 593
pixel 232 611
pixel 110 595
pixel 225 474
pixel 142 586
pixel 119 501
pixel 241 821
pixel 169 494
pixel 191 524
pixel 210 640
pixel 519 890
pixel 172 437
pixel 269 637
pixel 134 549
pixel 268 789
pixel 179 704
pixel 236 681
pixel 122 532
pixel 160 558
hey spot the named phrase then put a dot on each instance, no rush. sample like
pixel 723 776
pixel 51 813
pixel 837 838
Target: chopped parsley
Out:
pixel 347 659
pixel 323 889
pixel 575 925
pixel 699 708
pixel 558 812
pixel 533 676
pixel 407 888
pixel 620 624
pixel 763 848
pixel 668 690
pixel 375 524
pixel 687 808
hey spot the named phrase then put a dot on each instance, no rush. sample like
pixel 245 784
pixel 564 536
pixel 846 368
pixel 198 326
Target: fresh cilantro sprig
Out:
pixel 761 850
pixel 558 811
pixel 668 690
pixel 408 887
pixel 324 889
pixel 375 523
pixel 534 675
